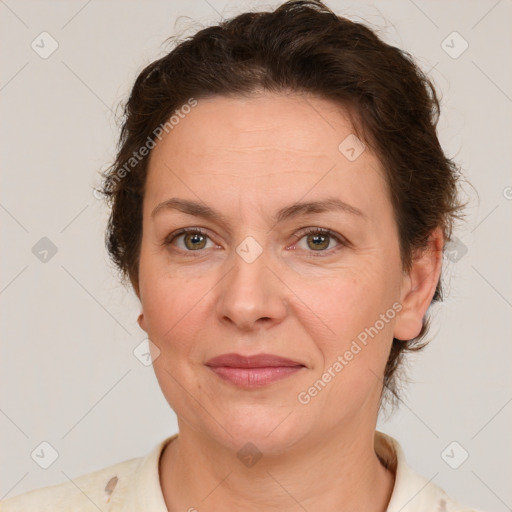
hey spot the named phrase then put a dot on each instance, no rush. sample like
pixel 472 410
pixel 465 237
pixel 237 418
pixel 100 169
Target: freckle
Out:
pixel 109 488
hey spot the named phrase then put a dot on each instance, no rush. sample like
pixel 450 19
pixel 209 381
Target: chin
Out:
pixel 268 432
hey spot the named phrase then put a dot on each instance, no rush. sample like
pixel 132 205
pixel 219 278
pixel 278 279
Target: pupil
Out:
pixel 319 241
pixel 194 238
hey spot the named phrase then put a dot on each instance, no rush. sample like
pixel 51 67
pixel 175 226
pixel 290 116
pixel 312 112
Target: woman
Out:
pixel 280 203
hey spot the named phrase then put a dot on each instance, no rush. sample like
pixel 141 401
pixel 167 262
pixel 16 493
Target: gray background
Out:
pixel 68 375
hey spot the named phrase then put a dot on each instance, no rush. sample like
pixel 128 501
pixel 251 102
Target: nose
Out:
pixel 251 295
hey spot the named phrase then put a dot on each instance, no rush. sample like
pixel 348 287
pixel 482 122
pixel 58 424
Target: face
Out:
pixel 322 287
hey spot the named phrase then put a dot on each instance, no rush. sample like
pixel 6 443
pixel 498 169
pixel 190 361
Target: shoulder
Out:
pixel 89 492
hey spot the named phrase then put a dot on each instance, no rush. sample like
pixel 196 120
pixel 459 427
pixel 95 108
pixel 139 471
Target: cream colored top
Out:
pixel 134 486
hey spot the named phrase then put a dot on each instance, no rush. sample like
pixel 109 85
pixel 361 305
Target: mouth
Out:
pixel 253 371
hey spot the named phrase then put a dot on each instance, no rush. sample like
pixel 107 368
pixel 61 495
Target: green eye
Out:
pixel 319 239
pixel 194 239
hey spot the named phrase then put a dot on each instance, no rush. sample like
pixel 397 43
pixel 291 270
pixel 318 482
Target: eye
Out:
pixel 319 240
pixel 192 239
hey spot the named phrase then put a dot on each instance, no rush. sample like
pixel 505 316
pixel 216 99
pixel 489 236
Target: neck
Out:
pixel 339 471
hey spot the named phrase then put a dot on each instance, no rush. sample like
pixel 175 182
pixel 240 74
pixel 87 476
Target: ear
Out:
pixel 418 287
pixel 141 322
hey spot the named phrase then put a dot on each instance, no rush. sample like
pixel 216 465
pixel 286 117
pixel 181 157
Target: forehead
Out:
pixel 264 122
pixel 261 149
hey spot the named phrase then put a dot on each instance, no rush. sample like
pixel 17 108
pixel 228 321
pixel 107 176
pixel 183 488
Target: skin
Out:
pixel 248 157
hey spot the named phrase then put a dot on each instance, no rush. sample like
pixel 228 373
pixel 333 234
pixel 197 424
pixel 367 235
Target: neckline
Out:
pixel 411 491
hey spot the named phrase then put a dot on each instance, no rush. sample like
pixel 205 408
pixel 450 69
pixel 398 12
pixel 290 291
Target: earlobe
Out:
pixel 418 287
pixel 141 322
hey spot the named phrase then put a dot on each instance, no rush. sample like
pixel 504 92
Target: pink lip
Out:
pixel 253 371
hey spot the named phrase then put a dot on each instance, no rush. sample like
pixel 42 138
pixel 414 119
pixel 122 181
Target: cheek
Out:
pixel 169 308
pixel 346 305
pixel 351 361
pixel 170 298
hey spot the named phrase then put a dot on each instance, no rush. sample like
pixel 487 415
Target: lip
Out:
pixel 256 361
pixel 253 371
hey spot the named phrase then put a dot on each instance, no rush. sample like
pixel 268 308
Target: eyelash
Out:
pixel 304 232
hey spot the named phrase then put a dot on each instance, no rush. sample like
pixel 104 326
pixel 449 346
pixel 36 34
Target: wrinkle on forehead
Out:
pixel 252 175
pixel 259 148
pixel 280 146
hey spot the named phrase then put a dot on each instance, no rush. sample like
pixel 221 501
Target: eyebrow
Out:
pixel 288 212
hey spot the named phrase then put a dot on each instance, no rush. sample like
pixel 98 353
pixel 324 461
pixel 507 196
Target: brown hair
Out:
pixel 302 46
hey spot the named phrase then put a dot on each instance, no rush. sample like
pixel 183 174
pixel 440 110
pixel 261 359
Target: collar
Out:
pixel 144 491
pixel 411 492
